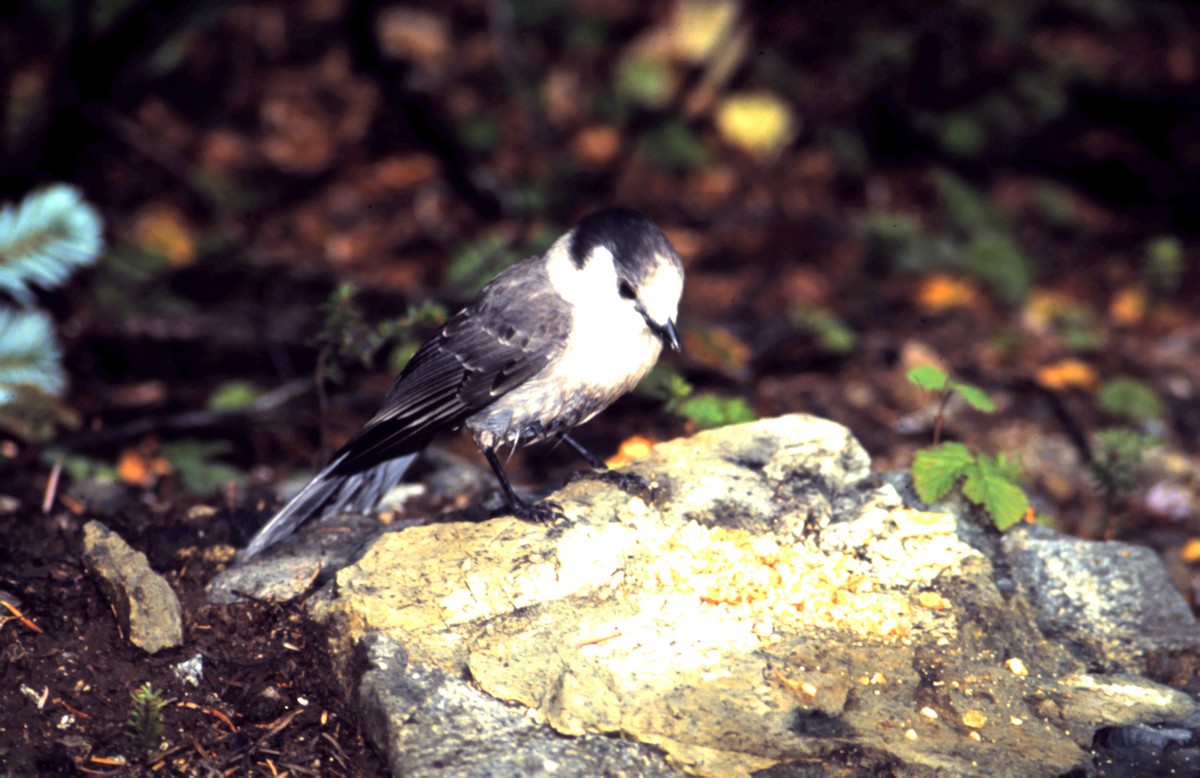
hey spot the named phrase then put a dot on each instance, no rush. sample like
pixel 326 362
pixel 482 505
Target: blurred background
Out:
pixel 272 196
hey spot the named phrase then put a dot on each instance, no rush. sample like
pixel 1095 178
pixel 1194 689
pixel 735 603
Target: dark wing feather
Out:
pixel 504 338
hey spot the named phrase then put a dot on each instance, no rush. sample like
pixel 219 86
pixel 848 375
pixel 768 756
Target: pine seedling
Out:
pixel 145 721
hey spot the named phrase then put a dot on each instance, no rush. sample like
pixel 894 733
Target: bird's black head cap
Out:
pixel 635 241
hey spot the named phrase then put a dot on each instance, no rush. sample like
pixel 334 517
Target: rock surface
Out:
pixel 146 606
pixel 773 608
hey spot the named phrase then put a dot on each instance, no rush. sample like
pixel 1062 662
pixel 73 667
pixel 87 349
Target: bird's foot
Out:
pixel 630 483
pixel 543 511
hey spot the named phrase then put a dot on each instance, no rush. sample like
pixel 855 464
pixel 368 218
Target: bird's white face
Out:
pixel 660 291
pixel 604 298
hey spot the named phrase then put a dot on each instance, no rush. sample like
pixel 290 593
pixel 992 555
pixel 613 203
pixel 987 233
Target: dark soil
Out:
pixel 265 705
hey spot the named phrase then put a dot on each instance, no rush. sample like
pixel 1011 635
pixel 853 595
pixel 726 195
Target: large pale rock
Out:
pixel 773 607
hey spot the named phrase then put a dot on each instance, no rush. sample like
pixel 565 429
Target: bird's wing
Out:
pixel 509 334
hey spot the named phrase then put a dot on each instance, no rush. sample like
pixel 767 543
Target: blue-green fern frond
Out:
pixel 29 354
pixel 45 238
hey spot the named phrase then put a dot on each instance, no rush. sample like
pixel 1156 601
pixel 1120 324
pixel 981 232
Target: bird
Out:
pixel 549 343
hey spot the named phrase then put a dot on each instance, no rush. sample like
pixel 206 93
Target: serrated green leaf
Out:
pixel 928 377
pixel 988 486
pixel 936 470
pixel 975 397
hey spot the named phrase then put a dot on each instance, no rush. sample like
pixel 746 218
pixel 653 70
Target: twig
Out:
pixel 190 419
pixel 52 485
pixel 21 616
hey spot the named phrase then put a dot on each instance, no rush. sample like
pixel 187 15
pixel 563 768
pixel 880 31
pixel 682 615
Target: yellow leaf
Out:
pixel 1128 305
pixel 760 123
pixel 1067 374
pixel 161 229
pixel 699 25
pixel 940 292
pixel 135 467
pixel 631 450
pixel 1190 552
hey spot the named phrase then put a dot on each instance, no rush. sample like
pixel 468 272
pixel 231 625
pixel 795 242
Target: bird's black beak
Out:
pixel 668 334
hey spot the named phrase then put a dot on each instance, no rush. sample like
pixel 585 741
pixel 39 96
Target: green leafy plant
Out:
pixel 704 409
pixel 675 146
pixel 197 463
pixel 145 720
pixel 1128 398
pixel 1164 265
pixel 43 240
pixel 1116 457
pixel 476 263
pixel 832 334
pixel 929 377
pixel 346 335
pixel 987 481
pixel 975 238
pixel 233 396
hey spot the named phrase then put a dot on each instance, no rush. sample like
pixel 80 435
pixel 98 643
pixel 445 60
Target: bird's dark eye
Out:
pixel 625 290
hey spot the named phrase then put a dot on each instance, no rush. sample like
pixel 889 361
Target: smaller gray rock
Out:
pixel 1113 602
pixel 146 605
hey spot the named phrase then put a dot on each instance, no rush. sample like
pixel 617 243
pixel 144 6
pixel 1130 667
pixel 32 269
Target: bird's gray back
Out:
pixel 507 335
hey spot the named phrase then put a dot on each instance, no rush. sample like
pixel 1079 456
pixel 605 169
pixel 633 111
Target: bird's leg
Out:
pixel 631 483
pixel 544 511
pixel 593 461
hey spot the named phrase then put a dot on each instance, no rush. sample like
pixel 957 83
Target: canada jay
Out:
pixel 547 345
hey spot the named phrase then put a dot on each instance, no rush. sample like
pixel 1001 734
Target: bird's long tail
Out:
pixel 327 494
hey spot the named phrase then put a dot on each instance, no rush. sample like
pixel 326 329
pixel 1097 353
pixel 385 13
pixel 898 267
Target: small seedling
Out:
pixel 987 481
pixel 1116 458
pixel 935 380
pixel 145 721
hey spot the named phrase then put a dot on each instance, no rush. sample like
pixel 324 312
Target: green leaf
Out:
pixel 664 382
pixel 967 207
pixel 1129 398
pixel 998 260
pixel 708 411
pixel 928 377
pixel 962 134
pixel 936 470
pixel 481 133
pixel 647 81
pixel 975 397
pixel 1164 265
pixel 831 332
pixel 233 396
pixel 476 263
pixel 989 484
pixel 78 467
pixel 195 462
pixel 674 146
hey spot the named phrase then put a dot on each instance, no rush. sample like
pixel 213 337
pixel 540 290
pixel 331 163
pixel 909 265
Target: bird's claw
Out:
pixel 630 483
pixel 543 512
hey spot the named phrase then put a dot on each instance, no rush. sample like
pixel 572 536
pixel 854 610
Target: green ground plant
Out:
pixel 987 481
